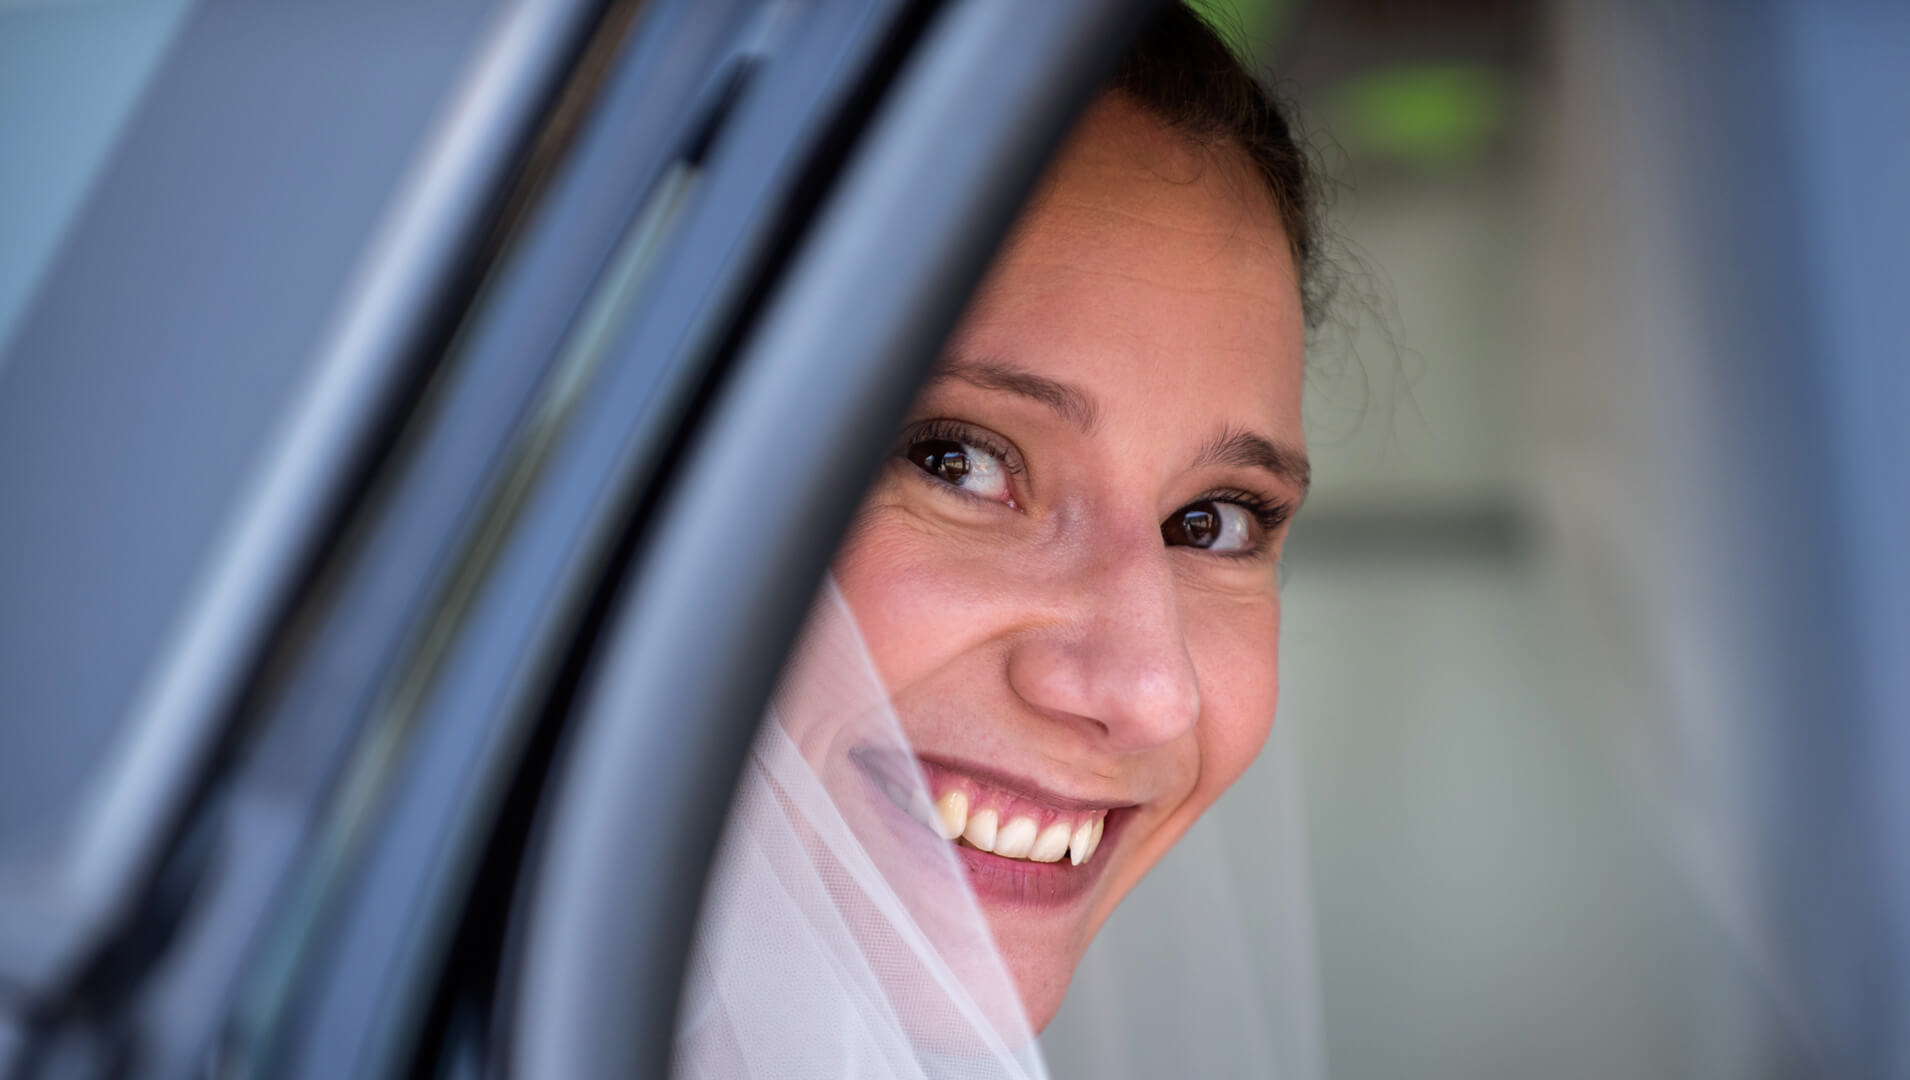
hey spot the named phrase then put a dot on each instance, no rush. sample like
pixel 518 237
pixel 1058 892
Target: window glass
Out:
pixel 70 76
pixel 164 309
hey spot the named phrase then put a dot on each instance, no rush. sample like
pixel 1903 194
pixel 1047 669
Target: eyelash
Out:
pixel 960 432
pixel 957 431
pixel 1270 514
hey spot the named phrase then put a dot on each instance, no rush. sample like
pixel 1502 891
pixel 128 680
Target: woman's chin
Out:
pixel 1041 972
pixel 1042 923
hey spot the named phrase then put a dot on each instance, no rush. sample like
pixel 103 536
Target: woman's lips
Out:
pixel 1018 842
pixel 1021 883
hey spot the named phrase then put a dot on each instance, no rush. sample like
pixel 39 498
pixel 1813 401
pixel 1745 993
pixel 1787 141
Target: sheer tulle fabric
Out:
pixel 838 936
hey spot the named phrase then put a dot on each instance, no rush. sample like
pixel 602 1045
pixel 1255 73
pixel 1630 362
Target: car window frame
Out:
pixel 677 689
pixel 64 912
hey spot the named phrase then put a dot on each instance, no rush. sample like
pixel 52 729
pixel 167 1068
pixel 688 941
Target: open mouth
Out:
pixel 1008 823
pixel 985 814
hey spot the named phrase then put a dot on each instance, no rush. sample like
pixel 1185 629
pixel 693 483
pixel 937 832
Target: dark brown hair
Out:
pixel 1184 74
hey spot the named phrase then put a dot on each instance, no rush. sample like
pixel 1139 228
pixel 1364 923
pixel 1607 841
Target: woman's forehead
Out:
pixel 1122 160
pixel 1138 283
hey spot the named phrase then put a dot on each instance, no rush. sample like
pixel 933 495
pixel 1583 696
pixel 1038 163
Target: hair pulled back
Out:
pixel 1183 73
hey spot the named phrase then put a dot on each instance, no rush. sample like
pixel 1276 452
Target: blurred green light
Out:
pixel 1423 115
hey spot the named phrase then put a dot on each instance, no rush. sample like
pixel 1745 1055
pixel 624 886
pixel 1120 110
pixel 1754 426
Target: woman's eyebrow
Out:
pixel 1235 447
pixel 1071 404
pixel 1243 449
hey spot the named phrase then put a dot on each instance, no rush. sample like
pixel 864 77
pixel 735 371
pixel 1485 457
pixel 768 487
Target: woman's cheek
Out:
pixel 918 597
pixel 1237 658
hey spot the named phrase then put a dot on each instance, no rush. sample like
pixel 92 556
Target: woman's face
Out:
pixel 1067 573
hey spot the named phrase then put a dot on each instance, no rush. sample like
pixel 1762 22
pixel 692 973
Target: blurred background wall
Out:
pixel 1596 623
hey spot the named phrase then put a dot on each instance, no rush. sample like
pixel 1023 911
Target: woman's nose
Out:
pixel 1115 652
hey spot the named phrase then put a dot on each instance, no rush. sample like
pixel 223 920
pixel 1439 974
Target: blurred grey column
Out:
pixel 1846 64
pixel 1762 163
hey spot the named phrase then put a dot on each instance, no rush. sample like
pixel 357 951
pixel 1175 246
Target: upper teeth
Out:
pixel 951 814
pixel 1019 837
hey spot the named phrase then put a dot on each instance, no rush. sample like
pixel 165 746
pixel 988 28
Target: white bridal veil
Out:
pixel 839 937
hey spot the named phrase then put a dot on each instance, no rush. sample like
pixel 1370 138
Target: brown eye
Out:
pixel 1213 526
pixel 944 459
pixel 964 465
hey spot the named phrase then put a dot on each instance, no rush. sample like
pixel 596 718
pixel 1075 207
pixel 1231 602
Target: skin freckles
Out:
pixel 1055 633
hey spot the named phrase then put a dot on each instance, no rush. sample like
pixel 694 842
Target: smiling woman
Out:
pixel 1066 575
